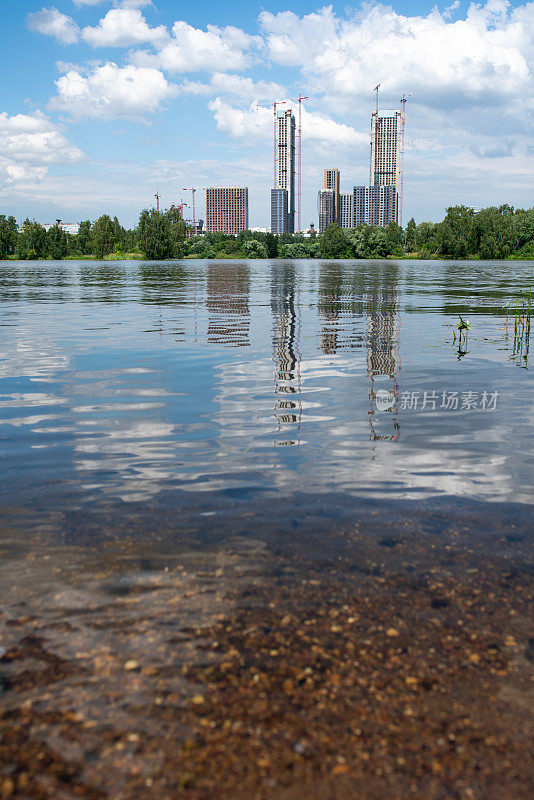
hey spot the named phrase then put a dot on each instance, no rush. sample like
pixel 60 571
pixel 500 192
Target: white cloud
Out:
pixel 191 49
pixel 222 83
pixel 123 27
pixel 256 122
pixel 449 11
pixel 110 91
pixel 52 22
pixel 292 40
pixel 481 56
pixel 30 143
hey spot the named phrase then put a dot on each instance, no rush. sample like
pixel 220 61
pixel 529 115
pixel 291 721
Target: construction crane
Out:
pixel 377 87
pixel 401 199
pixel 193 191
pixel 158 198
pixel 299 167
pixel 180 207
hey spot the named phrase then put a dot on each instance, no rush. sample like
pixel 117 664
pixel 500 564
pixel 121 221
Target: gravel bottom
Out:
pixel 401 668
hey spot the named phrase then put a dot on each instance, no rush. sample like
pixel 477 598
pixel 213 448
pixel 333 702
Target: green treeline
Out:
pixel 493 233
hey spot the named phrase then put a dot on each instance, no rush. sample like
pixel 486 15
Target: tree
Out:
pixel 32 241
pixel 103 236
pixel 411 236
pixel 300 250
pixel 377 243
pixel 83 239
pixel 178 231
pixel 118 235
pixel 494 233
pixel 271 243
pixel 255 249
pixel 57 245
pixel 455 235
pixel 394 239
pixel 8 236
pixel 155 235
pixel 333 243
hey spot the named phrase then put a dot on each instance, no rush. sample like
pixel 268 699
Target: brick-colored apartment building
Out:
pixel 227 210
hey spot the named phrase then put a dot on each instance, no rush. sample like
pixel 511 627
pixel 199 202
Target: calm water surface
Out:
pixel 205 385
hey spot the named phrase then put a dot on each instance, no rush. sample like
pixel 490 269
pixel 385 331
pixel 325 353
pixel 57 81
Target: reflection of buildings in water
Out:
pixel 340 304
pixel 227 302
pixel 345 301
pixel 383 358
pixel 286 355
pixel 328 306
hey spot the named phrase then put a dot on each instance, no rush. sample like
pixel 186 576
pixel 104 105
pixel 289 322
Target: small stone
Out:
pixel 8 788
pixel 285 621
pixel 131 665
pixel 197 699
pixel 392 632
pixel 341 769
pixel 411 681
pixel 474 658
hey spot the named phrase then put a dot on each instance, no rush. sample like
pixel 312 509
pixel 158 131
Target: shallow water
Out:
pixel 139 382
pixel 194 453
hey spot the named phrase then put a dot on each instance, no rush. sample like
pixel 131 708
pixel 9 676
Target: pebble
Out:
pixel 197 699
pixel 392 632
pixel 131 665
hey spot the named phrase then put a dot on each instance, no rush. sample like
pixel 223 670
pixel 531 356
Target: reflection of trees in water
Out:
pixel 167 285
pixel 227 301
pixel 286 355
pixel 48 282
pixel 103 283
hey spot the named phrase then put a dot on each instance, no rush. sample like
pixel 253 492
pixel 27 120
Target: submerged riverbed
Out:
pixel 266 530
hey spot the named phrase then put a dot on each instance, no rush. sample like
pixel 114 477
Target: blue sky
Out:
pixel 103 103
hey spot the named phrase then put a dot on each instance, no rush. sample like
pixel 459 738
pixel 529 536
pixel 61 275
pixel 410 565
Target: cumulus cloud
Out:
pixel 223 83
pixel 52 22
pixel 110 91
pixel 30 143
pixel 481 56
pixel 256 122
pixel 192 49
pixel 123 27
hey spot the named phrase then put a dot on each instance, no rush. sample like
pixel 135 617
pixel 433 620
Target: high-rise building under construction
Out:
pixel 285 169
pixel 386 131
pixel 331 182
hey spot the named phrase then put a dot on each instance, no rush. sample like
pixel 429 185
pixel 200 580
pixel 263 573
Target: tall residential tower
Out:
pixel 285 174
pixel 386 132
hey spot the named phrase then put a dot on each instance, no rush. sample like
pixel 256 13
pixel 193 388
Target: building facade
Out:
pixel 227 210
pixel 285 163
pixel 346 210
pixel 386 132
pixel 331 181
pixel 279 211
pixel 375 205
pixel 326 208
